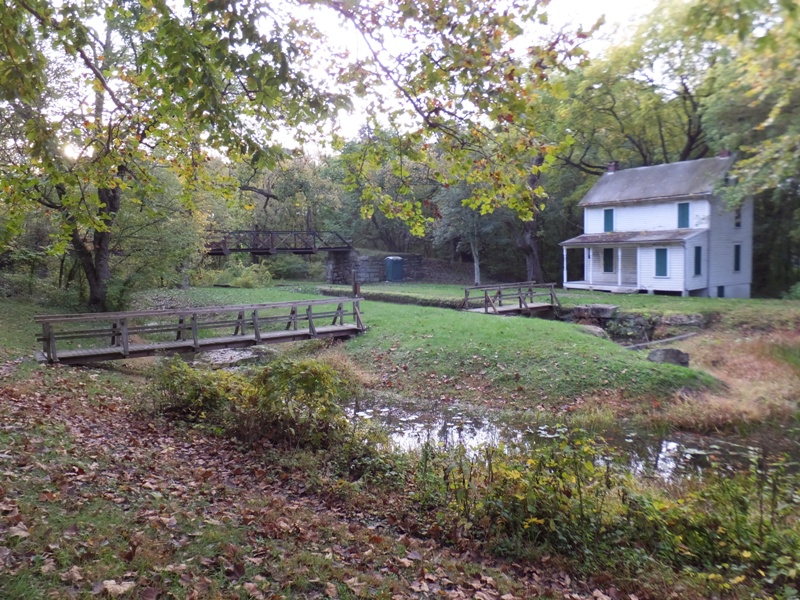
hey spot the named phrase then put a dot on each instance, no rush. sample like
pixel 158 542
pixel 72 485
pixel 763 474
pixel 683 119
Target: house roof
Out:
pixel 674 180
pixel 633 238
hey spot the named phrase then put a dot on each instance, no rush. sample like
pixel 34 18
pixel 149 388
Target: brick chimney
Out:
pixel 613 166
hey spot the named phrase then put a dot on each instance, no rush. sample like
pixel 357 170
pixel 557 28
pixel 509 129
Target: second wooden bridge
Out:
pixel 86 338
pixel 526 298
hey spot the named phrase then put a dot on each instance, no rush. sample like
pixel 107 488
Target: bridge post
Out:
pixel 311 329
pixel 256 329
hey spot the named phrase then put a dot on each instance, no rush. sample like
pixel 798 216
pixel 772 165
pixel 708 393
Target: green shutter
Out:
pixel 698 260
pixel 683 215
pixel 608 219
pixel 608 260
pixel 661 262
pixel 737 258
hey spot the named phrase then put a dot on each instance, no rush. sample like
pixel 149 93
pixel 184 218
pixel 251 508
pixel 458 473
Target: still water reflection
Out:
pixel 674 455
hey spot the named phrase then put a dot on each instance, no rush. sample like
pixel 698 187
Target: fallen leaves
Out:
pixel 258 531
pixel 115 589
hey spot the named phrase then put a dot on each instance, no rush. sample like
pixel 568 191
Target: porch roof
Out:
pixel 633 238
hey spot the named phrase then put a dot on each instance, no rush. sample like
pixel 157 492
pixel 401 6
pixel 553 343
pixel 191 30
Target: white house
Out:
pixel 662 229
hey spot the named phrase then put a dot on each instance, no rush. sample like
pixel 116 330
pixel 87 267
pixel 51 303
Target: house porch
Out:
pixel 606 268
pixel 614 289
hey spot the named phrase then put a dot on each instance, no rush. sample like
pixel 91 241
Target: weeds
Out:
pixel 576 499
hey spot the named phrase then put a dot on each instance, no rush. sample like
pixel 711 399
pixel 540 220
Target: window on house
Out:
pixel 737 258
pixel 661 262
pixel 608 260
pixel 737 217
pixel 698 260
pixel 608 219
pixel 683 215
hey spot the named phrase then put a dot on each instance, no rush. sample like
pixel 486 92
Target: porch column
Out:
pixel 619 266
pixel 564 250
pixel 638 269
pixel 588 252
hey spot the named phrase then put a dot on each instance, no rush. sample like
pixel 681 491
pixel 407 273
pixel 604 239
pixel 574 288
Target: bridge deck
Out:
pixel 85 338
pixel 529 309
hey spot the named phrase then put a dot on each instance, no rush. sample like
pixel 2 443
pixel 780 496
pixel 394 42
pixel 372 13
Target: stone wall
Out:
pixel 339 267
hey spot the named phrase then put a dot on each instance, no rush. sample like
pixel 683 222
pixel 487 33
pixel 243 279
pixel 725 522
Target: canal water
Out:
pixel 668 456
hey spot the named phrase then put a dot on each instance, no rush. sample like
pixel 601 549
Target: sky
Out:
pixel 619 15
pixel 586 12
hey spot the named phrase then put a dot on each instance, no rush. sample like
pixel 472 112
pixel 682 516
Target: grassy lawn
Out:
pixel 443 354
pixel 726 312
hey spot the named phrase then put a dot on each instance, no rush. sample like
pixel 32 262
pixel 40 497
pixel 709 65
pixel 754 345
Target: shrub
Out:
pixel 192 394
pixel 289 266
pixel 292 403
pixel 793 293
pixel 257 275
pixel 234 274
pixel 575 499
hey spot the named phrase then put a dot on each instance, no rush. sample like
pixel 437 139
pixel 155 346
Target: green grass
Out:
pixel 789 355
pixel 18 331
pixel 727 313
pixel 429 352
pixel 526 361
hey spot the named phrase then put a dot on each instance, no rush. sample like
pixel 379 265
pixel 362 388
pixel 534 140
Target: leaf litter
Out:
pixel 100 500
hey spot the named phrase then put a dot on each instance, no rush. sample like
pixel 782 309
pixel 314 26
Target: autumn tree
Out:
pixel 465 82
pixel 760 78
pixel 156 83
pixel 97 94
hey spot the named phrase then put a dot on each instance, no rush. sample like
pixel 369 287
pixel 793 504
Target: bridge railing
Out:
pixel 87 337
pixel 520 295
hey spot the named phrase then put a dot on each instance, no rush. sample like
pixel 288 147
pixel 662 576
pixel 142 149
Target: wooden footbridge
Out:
pixel 526 298
pixel 222 243
pixel 86 338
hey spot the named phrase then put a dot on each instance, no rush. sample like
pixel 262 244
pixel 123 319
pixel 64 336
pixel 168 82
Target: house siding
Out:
pixel 598 276
pixel 648 216
pixel 724 235
pixel 673 282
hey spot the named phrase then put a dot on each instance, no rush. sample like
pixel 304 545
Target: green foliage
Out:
pixel 793 293
pixel 293 403
pixel 235 274
pixel 289 266
pixel 257 275
pixel 574 497
pixel 758 82
pixel 192 394
pixel 290 403
pixel 474 102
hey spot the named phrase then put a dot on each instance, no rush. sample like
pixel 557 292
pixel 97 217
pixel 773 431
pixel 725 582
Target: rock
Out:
pixel 595 311
pixel 672 356
pixel 684 320
pixel 594 330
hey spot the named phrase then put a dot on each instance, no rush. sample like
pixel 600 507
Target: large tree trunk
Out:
pixel 474 246
pixel 527 242
pixel 96 260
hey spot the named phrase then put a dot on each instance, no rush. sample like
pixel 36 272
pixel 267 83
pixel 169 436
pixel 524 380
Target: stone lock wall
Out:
pixel 339 267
